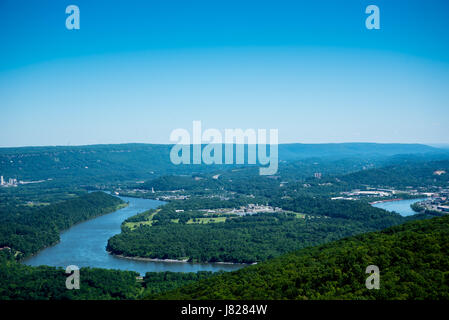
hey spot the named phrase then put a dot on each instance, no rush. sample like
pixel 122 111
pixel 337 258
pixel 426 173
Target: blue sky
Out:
pixel 136 70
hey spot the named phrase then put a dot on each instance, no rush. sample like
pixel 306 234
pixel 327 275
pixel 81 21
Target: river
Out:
pixel 400 206
pixel 84 245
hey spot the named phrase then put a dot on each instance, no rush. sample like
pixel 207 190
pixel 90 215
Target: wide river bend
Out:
pixel 84 245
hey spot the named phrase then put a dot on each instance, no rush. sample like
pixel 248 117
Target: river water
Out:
pixel 400 206
pixel 84 245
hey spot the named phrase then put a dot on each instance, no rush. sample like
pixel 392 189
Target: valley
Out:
pixel 163 231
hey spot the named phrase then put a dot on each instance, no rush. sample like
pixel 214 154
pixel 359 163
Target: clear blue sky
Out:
pixel 136 70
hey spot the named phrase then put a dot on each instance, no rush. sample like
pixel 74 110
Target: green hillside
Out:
pixel 126 162
pixel 413 259
pixel 414 174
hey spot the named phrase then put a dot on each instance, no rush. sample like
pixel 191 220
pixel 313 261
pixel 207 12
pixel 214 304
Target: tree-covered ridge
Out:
pixel 413 260
pixel 28 231
pixel 22 282
pixel 160 282
pixel 128 162
pixel 414 174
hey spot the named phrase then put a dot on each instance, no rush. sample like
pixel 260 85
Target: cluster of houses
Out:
pixel 244 210
pixel 438 202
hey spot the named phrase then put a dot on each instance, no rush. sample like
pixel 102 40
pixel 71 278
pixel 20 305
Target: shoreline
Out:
pixel 176 261
pixel 148 259
pixel 399 199
pixel 388 200
pixel 60 232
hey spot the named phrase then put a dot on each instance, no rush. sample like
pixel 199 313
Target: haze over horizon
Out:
pixel 436 145
pixel 136 71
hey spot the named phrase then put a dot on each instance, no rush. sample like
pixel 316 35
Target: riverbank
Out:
pixel 84 245
pixel 148 259
pixel 388 200
pixel 109 210
pixel 402 207
pixel 177 261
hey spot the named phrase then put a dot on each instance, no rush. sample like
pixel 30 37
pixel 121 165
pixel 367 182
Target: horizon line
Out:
pixel 433 144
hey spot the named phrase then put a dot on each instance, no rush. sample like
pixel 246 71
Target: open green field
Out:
pixel 297 214
pixel 149 221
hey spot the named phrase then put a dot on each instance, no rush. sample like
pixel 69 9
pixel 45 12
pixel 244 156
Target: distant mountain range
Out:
pixel 348 150
pixel 124 162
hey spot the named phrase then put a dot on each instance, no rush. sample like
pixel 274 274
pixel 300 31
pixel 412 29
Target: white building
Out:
pixel 2 182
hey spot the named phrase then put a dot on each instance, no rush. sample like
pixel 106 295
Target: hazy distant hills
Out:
pixel 404 174
pixel 82 163
pixel 122 162
pixel 349 150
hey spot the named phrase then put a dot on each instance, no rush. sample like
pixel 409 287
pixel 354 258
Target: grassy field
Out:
pixel 149 221
pixel 298 215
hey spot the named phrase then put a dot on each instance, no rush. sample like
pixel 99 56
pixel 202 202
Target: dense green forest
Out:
pixel 413 259
pixel 413 174
pixel 22 282
pixel 249 238
pixel 34 195
pixel 160 282
pixel 26 230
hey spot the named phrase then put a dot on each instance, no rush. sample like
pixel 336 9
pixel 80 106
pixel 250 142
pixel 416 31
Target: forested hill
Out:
pixel 28 230
pixel 78 164
pixel 125 162
pixel 246 239
pixel 414 174
pixel 296 151
pixel 413 260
